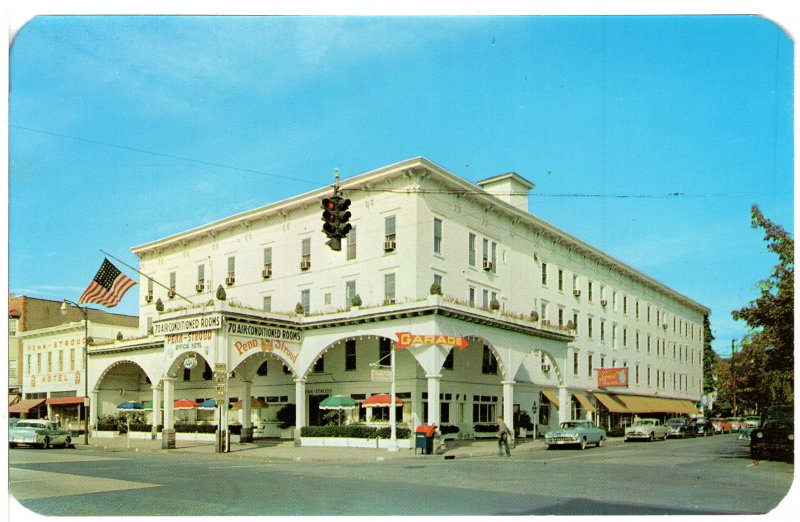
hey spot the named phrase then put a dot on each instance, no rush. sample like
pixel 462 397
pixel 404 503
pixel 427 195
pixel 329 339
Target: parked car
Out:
pixel 703 426
pixel 721 425
pixel 577 432
pixel 754 421
pixel 38 432
pixel 744 433
pixel 681 427
pixel 737 423
pixel 775 438
pixel 646 429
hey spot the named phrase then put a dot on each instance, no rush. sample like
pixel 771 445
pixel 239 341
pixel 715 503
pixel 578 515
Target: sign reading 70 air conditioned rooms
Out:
pixel 247 337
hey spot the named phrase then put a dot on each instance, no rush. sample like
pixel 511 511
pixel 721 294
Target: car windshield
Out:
pixel 23 424
pixel 572 424
pixel 675 421
pixel 644 422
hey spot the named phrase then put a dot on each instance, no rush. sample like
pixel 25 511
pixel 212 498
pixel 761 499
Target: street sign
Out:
pixel 377 375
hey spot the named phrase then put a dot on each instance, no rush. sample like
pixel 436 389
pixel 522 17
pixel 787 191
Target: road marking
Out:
pixel 45 484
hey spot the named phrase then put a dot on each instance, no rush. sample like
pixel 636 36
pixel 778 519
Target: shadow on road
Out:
pixel 580 506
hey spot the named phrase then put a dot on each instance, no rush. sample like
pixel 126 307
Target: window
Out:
pixel 28 365
pixel 384 351
pixel 637 373
pixel 267 304
pixel 624 337
pixel 589 368
pixel 388 289
pixel 472 296
pixel 625 304
pixel 560 280
pixel 305 253
pixel 232 267
pixel 484 408
pixel 448 361
pixel 589 290
pixel 437 280
pixel 494 256
pixel 544 274
pixel 71 359
pixel 350 355
pixel 389 226
pixel 485 250
pixel 267 262
pixel 636 308
pixel 201 277
pixel 560 317
pixel 149 288
pixel 262 370
pixel 187 374
pixel 575 363
pixel 437 235
pixel 305 300
pixel 637 340
pixel 351 244
pixel 543 310
pixel 319 364
pixel 602 330
pixel 485 298
pixel 208 374
pixel 614 336
pixel 575 321
pixel 589 329
pixel 489 364
pixel 472 252
pixel 61 360
pixel 49 362
pixel 172 284
pixel 349 292
pixel 648 376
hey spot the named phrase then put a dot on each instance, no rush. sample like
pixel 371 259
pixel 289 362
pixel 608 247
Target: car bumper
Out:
pixel 559 442
pixel 638 435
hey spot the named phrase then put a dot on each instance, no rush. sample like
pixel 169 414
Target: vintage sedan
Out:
pixel 37 432
pixel 646 429
pixel 754 421
pixel 681 427
pixel 721 425
pixel 575 433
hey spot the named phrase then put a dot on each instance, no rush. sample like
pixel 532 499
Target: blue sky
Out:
pixel 124 130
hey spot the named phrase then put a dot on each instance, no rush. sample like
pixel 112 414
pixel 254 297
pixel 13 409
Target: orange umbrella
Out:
pixel 255 404
pixel 185 404
pixel 382 400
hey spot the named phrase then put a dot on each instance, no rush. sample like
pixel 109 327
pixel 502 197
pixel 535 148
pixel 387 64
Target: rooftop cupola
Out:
pixel 509 187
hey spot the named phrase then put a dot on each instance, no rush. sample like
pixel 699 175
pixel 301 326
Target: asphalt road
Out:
pixel 696 476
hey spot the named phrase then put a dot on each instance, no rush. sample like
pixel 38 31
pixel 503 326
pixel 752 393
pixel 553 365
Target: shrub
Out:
pixel 616 431
pixel 191 427
pixel 495 304
pixel 486 428
pixel 356 301
pixel 448 428
pixel 285 416
pixel 140 426
pixel 436 289
pixel 354 431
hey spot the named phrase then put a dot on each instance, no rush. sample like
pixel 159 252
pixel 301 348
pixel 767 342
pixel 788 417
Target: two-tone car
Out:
pixel 681 427
pixel 703 426
pixel 38 432
pixel 575 433
pixel 646 429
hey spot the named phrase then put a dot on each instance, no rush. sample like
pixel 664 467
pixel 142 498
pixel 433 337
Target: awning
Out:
pixel 25 406
pixel 13 399
pixel 584 400
pixel 551 397
pixel 64 400
pixel 612 403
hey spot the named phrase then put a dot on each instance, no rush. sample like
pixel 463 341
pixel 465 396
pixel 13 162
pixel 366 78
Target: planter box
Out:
pixel 345 442
pixel 98 434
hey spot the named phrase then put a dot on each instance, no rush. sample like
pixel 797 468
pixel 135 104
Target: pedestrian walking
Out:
pixel 503 434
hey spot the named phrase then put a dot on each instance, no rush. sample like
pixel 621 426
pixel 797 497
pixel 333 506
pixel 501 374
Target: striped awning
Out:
pixel 612 403
pixel 584 400
pixel 551 397
pixel 64 400
pixel 24 406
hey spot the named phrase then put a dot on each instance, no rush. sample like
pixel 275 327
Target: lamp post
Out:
pixel 85 313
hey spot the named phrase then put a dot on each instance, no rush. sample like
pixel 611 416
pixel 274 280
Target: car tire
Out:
pixel 46 443
pixel 583 443
pixel 67 442
pixel 12 444
pixel 652 437
pixel 600 442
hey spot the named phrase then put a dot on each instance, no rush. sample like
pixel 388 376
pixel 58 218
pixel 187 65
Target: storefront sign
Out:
pixel 244 346
pixel 192 324
pixel 55 378
pixel 264 332
pixel 54 344
pixel 608 377
pixel 197 341
pixel 406 339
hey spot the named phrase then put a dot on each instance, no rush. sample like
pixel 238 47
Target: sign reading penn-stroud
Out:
pixel 192 324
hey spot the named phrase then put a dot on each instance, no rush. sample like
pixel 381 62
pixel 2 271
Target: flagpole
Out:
pixel 147 276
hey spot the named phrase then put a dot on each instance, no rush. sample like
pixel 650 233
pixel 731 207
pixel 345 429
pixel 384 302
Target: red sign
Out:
pixel 607 377
pixel 406 339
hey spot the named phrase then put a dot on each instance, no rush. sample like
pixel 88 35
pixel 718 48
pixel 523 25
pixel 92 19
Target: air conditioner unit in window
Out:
pixel 487 265
pixel 305 264
pixel 603 302
pixel 388 301
pixel 545 322
pixel 545 367
pixel 389 245
pixel 230 280
pixel 266 273
pixel 576 293
pixel 200 286
pixel 171 293
pixel 148 297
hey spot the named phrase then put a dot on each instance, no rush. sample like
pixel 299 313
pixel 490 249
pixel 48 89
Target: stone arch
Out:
pixel 108 369
pixel 248 366
pixel 336 343
pixel 171 370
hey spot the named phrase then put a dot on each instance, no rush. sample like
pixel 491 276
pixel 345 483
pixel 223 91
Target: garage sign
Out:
pixel 407 339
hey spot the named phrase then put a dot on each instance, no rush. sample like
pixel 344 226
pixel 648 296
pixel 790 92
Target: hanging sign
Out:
pixel 612 377
pixel 380 375
pixel 406 339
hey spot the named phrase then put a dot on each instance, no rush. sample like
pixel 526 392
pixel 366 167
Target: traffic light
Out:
pixel 336 216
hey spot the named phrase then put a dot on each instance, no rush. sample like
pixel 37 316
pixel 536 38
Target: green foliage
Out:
pixel 119 421
pixel 436 289
pixel 353 431
pixel 221 295
pixel 709 357
pixel 486 428
pixel 771 315
pixel 356 301
pixel 298 309
pixel 191 427
pixel 285 416
pixel 444 429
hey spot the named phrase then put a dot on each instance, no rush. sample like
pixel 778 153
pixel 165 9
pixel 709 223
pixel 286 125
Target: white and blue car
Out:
pixel 38 432
pixel 575 433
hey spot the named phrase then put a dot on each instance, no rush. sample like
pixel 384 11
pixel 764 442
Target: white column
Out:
pixel 300 406
pixel 433 398
pixel 246 409
pixel 393 409
pixel 156 412
pixel 169 399
pixel 508 404
pixel 564 412
pixel 94 408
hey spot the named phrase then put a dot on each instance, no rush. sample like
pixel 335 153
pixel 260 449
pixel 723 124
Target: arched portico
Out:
pixel 121 381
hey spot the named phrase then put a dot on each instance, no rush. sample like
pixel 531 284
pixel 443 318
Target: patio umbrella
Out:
pixel 208 404
pixel 148 405
pixel 185 404
pixel 255 404
pixel 382 400
pixel 130 405
pixel 338 402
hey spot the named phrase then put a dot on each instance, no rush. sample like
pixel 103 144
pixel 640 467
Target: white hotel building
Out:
pixel 415 224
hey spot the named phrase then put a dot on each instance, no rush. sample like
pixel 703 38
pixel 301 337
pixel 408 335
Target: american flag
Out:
pixel 107 287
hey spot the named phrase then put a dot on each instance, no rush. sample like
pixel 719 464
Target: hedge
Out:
pixel 138 427
pixel 353 431
pixel 448 428
pixel 486 428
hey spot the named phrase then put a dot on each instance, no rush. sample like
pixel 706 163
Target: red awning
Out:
pixel 64 400
pixel 382 400
pixel 25 406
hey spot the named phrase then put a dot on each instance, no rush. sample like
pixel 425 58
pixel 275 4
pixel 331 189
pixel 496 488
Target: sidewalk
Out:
pixel 272 449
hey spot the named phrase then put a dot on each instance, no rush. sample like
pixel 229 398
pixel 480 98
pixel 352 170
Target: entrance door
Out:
pixel 314 413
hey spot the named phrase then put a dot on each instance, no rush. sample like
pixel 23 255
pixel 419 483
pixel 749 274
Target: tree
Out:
pixel 709 357
pixel 771 315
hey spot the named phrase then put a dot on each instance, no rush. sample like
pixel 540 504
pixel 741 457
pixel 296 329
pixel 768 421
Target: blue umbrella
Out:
pixel 130 405
pixel 209 404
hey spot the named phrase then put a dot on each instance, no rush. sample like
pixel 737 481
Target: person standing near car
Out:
pixel 503 434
